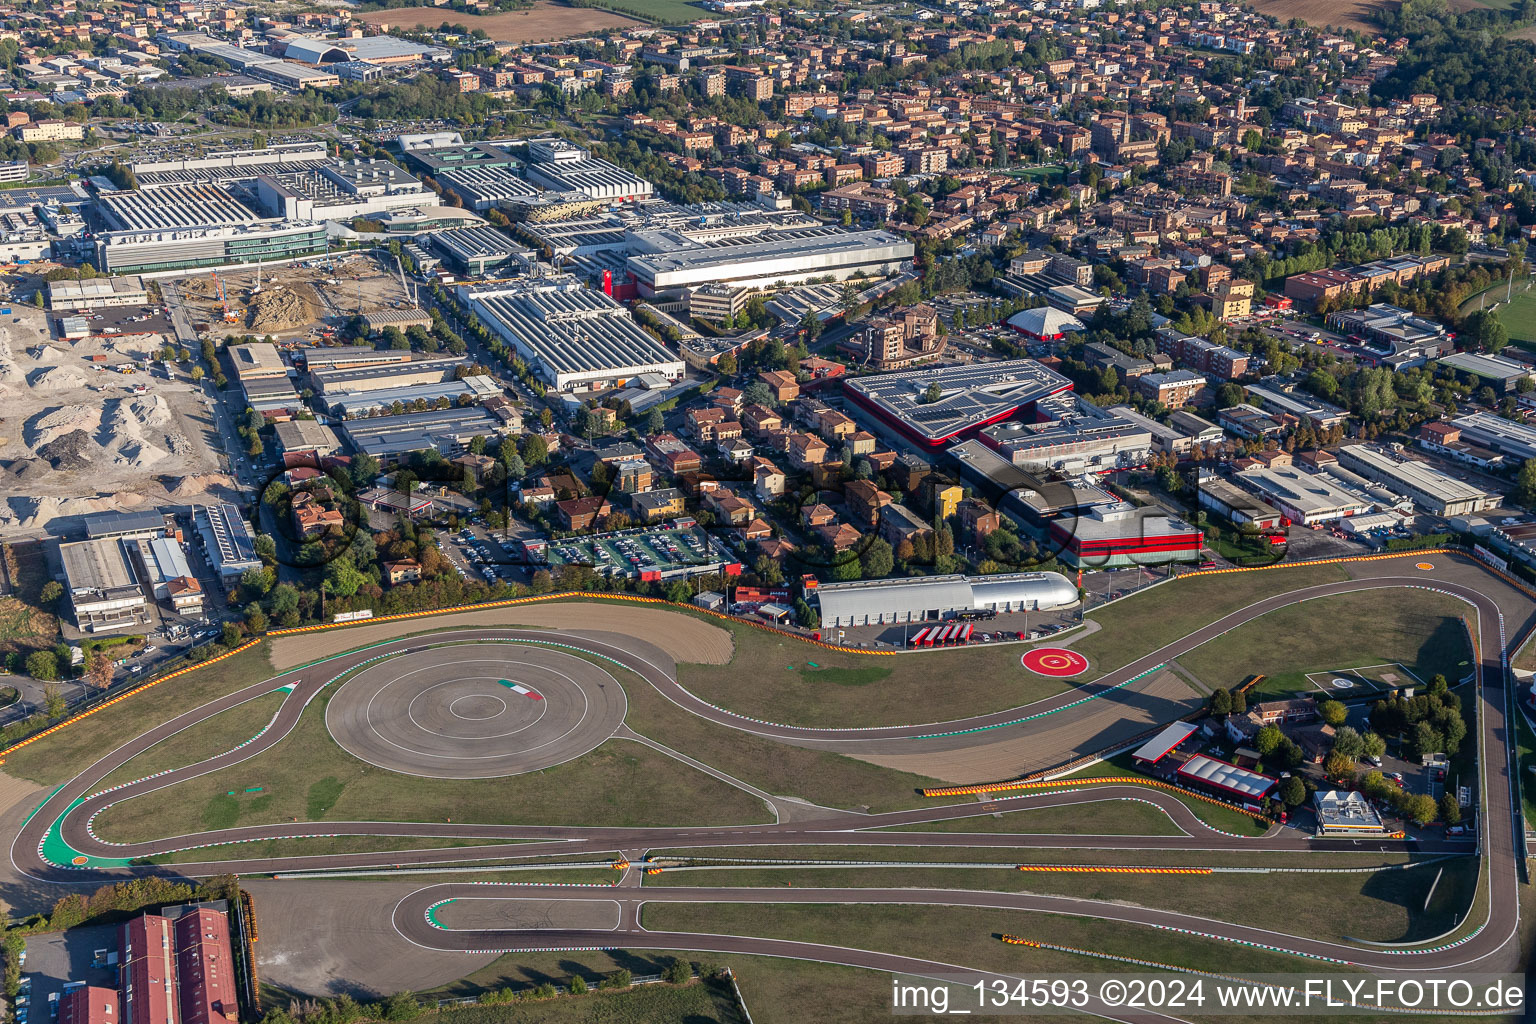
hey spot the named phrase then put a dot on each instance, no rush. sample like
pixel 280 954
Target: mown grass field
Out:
pixel 1417 629
pixel 213 736
pixel 1144 622
pixel 779 679
pixel 1519 318
pixel 64 754
pixel 1099 818
pixel 308 777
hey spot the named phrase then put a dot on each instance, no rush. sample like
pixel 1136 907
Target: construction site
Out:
pixel 294 301
pixel 98 423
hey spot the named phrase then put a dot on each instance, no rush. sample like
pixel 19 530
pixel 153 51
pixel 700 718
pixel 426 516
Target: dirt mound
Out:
pixel 72 450
pixel 278 309
pixel 29 470
pixel 65 419
pixel 192 486
pixel 58 378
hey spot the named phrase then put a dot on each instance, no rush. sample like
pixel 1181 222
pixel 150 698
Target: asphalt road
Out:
pixel 1453 576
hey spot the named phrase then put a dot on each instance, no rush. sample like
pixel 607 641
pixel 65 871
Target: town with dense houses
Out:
pixel 675 446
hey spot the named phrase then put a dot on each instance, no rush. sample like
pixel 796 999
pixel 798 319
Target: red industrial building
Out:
pixel 89 1004
pixel 177 970
pixel 1118 535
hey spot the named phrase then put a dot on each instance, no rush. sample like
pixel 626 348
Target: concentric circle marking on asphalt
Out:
pixel 1054 661
pixel 475 711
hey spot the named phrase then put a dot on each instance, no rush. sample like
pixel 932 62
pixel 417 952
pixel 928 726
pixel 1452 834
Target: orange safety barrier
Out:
pixel 653 871
pixel 621 865
pixel 124 696
pixel 588 594
pixel 1014 940
pixel 1328 561
pixel 1001 787
pixel 1105 869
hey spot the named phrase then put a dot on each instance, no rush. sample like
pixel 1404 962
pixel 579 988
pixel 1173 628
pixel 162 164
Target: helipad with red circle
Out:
pixel 1054 661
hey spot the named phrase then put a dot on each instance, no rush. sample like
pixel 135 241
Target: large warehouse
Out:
pixel 182 226
pixel 103 585
pixel 575 338
pixel 1226 780
pixel 669 261
pixel 357 379
pixel 924 599
pixel 565 167
pixel 389 438
pixel 968 396
pixel 1429 488
pixel 1305 497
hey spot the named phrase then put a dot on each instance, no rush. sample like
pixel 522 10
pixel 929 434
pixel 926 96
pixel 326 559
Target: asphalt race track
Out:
pixel 476 711
pixel 1490 945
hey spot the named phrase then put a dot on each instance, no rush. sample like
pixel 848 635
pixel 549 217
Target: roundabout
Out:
pixel 475 711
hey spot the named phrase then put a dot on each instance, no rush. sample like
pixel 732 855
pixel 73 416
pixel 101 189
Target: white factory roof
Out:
pixel 1227 776
pixel 174 206
pixel 1498 433
pixel 1156 748
pixel 1312 494
pixel 970 395
pixel 1418 475
pixel 1045 321
pixel 1482 364
pixel 900 599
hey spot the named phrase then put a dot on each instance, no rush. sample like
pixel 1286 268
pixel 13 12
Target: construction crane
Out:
pixel 257 290
pixel 225 310
pixel 409 297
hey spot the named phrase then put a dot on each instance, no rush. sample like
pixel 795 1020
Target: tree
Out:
pixel 1293 791
pixel 1239 701
pixel 99 669
pixel 1267 740
pixel 1221 703
pixel 877 560
pixel 42 665
pixel 401 1006
pixel 1373 746
pixel 678 972
pixel 578 986
pixel 655 422
pixel 1420 807
pixel 1348 742
pixel 619 979
pixel 51 592
pixel 1525 484
pixel 1332 712
pixel 54 703
pixel 1449 808
pixel 933 393
pixel 1338 766
pixel 726 364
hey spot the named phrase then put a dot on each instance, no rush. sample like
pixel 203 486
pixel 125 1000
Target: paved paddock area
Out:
pixel 476 711
pixel 1102 722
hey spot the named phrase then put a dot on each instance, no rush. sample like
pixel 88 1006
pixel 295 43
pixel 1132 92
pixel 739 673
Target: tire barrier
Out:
pixel 1108 869
pixel 124 696
pixel 1107 780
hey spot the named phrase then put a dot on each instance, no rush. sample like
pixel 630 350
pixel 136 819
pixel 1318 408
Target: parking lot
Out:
pixel 55 959
pixel 641 552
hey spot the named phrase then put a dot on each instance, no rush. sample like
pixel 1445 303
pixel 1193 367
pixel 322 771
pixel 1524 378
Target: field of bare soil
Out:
pixel 539 23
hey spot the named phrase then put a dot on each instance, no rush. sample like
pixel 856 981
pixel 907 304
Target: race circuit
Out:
pixel 1498 613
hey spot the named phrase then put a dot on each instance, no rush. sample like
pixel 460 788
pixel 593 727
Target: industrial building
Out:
pixel 1505 437
pixel 1498 372
pixel 483 252
pixel 1163 744
pixel 89 1004
pixel 379 49
pixel 168 574
pixel 257 64
pixel 929 598
pixel 1165 438
pixel 1077 444
pixel 1401 339
pixel 274 395
pixel 108 525
pixel 1119 534
pixel 178 967
pixel 341 190
pixel 1346 813
pixel 1241 507
pixel 1226 780
pixel 97 293
pixel 1289 407
pixel 667 262
pixel 968 396
pixel 565 167
pixel 486 186
pixel 390 438
pixel 345 357
pixel 307 437
pixel 226 541
pixel 1305 497
pixel 102 584
pixel 575 338
pixel 474 388
pixel 227 165
pixel 356 379
pixel 1429 488
pixel 259 360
